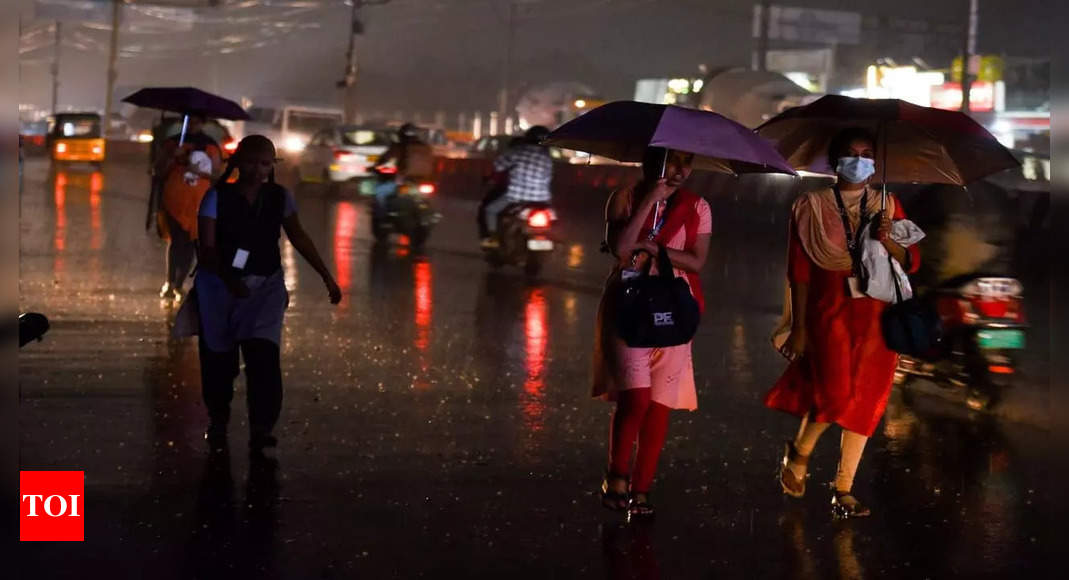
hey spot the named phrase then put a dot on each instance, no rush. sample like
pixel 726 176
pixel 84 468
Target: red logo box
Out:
pixel 52 506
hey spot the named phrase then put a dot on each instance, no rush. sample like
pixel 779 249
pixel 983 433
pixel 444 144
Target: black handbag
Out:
pixel 656 311
pixel 911 327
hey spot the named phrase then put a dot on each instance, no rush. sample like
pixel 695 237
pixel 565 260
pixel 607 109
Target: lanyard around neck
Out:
pixel 853 239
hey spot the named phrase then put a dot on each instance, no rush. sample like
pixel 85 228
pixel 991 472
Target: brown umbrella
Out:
pixel 916 144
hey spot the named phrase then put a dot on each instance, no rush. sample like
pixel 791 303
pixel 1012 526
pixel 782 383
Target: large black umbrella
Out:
pixel 187 101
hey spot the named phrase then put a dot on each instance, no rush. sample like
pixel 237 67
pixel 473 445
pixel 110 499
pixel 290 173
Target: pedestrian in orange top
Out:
pixel 187 172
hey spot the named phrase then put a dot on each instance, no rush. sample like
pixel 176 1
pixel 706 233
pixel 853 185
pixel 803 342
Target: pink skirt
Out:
pixel 668 372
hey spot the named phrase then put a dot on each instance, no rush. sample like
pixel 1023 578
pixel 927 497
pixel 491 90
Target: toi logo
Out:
pixel 51 506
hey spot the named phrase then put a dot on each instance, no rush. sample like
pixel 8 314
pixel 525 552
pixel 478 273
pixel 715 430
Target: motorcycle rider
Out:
pixel 413 159
pixel 530 170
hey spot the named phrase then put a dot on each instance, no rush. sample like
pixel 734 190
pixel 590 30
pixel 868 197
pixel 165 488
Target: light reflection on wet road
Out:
pixel 437 422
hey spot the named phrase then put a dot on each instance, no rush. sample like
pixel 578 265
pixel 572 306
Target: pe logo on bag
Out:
pixel 51 506
pixel 663 319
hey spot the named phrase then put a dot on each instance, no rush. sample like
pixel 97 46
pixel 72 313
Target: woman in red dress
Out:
pixel 840 368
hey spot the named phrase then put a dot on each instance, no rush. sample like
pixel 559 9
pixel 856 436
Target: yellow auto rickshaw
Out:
pixel 77 138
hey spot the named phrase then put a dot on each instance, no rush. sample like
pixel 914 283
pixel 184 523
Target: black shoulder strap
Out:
pixel 853 239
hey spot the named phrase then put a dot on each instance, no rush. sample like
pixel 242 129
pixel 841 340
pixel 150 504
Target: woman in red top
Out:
pixel 840 368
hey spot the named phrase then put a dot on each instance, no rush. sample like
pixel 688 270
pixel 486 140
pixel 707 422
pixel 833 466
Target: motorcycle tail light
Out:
pixel 538 219
pixel 1000 369
pixel 992 308
pixel 342 155
pixel 230 146
pixel 426 188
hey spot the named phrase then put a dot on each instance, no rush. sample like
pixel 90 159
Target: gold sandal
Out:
pixel 791 484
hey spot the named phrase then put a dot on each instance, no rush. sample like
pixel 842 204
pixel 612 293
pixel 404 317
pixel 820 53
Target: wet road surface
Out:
pixel 437 423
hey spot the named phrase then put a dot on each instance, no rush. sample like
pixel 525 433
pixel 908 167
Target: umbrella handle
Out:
pixel 185 125
pixel 883 148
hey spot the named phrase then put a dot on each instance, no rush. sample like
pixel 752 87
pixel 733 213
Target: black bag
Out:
pixel 656 311
pixel 911 327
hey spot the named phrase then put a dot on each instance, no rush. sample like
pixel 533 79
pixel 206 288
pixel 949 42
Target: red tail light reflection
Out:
pixel 536 336
pixel 423 317
pixel 344 231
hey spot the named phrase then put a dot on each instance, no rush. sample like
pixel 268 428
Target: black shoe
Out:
pixel 845 506
pixel 261 442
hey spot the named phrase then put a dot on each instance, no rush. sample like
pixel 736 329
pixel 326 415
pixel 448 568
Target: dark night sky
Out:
pixel 448 54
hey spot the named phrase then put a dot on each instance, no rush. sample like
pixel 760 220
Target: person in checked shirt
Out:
pixel 530 171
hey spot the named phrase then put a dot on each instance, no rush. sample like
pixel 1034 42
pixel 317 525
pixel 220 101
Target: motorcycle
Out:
pixel 407 211
pixel 32 326
pixel 524 237
pixel 984 330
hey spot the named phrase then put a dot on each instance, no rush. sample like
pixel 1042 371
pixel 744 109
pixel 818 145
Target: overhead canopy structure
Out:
pixel 751 97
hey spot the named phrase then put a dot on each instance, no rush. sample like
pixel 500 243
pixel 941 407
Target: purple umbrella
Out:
pixel 187 101
pixel 622 130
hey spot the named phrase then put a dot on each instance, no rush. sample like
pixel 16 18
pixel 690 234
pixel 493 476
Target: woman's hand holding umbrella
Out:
pixel 660 191
pixel 883 230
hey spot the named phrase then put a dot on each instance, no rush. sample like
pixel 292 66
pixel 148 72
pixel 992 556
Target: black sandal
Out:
pixel 614 500
pixel 845 506
pixel 639 509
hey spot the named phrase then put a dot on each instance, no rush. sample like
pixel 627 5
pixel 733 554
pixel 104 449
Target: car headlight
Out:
pixel 293 144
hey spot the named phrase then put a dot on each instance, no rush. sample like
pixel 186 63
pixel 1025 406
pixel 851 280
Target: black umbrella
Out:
pixel 187 101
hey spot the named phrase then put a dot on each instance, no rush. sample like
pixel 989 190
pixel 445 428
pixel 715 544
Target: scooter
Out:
pixel 407 210
pixel 524 236
pixel 984 330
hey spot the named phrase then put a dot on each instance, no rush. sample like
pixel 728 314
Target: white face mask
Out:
pixel 856 169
